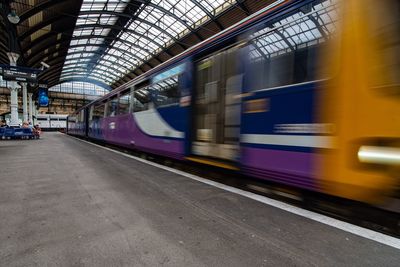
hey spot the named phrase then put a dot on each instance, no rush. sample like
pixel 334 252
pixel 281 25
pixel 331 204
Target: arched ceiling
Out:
pixel 112 41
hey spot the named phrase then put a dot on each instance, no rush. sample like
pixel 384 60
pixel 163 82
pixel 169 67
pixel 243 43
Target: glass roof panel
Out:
pixel 155 25
pixel 296 30
pixel 83 75
pixel 79 88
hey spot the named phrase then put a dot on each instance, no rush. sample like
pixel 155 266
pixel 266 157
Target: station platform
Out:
pixel 65 202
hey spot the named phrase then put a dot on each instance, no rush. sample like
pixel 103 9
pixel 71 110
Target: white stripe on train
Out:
pixel 315 141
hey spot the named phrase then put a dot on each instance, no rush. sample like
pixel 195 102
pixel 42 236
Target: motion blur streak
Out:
pixel 379 155
pixel 362 100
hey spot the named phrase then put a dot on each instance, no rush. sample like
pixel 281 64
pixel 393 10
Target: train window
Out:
pixel 124 103
pixel 141 99
pixel 98 112
pixel 112 107
pixel 285 51
pixel 82 116
pixel 41 119
pixel 385 29
pixel 166 92
pixel 91 110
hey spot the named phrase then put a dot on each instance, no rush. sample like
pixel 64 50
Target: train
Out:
pixel 52 122
pixel 301 93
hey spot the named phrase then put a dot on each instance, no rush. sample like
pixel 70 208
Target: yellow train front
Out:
pixel 362 101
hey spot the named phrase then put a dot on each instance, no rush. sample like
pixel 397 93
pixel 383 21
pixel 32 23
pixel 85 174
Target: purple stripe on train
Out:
pixel 123 130
pixel 288 167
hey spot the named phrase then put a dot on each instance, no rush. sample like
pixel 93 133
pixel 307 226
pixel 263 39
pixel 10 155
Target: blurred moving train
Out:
pixel 304 93
pixel 52 122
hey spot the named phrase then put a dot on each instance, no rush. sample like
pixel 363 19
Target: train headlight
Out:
pixel 379 155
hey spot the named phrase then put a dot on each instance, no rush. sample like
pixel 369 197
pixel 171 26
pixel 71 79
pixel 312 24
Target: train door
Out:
pixel 217 106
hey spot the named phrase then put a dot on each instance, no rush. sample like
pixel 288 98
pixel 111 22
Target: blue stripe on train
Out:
pixel 290 105
pixel 280 147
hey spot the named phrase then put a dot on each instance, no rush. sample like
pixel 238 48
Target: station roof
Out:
pixel 109 42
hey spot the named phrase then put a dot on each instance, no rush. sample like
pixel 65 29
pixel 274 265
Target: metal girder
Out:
pixel 254 43
pixel 3 45
pixel 106 79
pixel 211 16
pixel 67 67
pixel 100 54
pixel 241 5
pixel 89 12
pixel 319 26
pixel 62 64
pixel 165 11
pixel 116 30
pixel 91 61
pixel 289 44
pixel 61 42
pixel 55 71
pixel 44 38
pixel 93 81
pixel 64 50
pixel 171 14
pixel 121 21
pixel 58 65
pixel 122 50
pixel 40 25
pixel 86 63
pixel 95 61
pixel 49 35
pixel 110 75
pixel 39 7
pixel 83 26
pixel 40 57
pixel 4 58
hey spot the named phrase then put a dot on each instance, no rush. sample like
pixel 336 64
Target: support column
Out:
pixel 14 104
pixel 13 86
pixel 25 101
pixel 30 108
pixel 35 113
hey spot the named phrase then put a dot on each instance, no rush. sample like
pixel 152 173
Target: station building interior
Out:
pixel 199 133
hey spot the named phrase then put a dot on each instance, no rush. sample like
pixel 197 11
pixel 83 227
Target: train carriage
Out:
pixel 52 122
pixel 303 93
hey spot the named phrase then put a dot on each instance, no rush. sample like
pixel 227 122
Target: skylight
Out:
pixel 154 26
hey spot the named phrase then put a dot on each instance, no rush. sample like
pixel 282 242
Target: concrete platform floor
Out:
pixel 64 202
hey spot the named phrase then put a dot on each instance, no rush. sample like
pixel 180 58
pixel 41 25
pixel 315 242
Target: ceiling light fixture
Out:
pixel 13 17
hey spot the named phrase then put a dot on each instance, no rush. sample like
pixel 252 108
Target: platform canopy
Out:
pixel 109 42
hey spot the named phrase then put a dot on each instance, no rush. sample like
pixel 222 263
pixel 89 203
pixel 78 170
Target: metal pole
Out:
pixel 25 101
pixel 35 112
pixel 14 104
pixel 30 108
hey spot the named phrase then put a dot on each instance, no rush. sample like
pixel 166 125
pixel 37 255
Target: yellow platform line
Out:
pixel 213 163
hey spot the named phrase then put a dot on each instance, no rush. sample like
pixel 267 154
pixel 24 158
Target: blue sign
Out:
pixel 43 98
pixel 20 74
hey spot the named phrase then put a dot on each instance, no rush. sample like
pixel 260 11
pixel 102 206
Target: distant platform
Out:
pixel 66 202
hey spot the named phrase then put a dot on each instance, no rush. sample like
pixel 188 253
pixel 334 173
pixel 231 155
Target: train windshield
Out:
pixel 166 92
pixel 141 99
pixel 385 34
